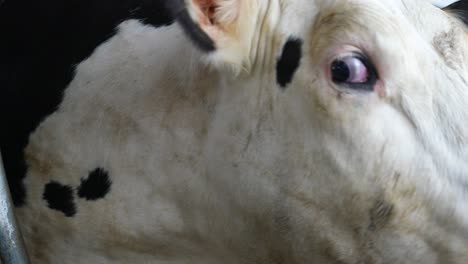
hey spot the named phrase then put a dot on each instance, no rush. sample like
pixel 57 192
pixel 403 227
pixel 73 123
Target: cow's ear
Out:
pixel 214 26
pixel 459 9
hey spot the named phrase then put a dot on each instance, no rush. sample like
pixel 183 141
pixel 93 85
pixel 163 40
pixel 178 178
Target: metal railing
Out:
pixel 12 249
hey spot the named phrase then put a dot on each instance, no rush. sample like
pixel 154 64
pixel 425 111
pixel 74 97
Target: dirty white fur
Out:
pixel 212 167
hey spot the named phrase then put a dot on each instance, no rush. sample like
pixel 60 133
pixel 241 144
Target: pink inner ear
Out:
pixel 207 9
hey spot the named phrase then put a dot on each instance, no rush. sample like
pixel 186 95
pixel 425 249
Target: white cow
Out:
pixel 297 132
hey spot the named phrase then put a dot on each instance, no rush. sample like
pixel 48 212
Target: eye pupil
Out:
pixel 353 71
pixel 340 71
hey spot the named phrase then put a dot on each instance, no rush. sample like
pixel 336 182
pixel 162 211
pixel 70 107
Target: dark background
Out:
pixel 41 42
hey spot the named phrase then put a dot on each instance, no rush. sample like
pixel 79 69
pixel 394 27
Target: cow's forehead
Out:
pixel 259 29
pixel 412 20
pixel 424 15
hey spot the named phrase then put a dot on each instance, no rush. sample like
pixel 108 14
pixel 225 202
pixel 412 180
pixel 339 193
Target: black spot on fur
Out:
pixel 60 197
pixel 460 9
pixel 289 61
pixel 41 42
pixel 194 32
pixel 96 186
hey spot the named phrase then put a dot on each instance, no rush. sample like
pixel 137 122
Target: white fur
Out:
pixel 212 167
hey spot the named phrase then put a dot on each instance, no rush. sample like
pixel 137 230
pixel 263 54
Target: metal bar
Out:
pixel 12 249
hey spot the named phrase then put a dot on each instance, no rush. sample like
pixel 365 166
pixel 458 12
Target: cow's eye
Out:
pixel 353 71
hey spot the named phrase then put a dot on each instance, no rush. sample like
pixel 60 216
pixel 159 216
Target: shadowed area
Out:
pixel 42 42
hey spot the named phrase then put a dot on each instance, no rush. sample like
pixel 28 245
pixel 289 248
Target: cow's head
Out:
pixel 374 95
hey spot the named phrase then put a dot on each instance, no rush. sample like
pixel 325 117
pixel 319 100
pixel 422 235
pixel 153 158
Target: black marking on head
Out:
pixel 179 11
pixel 289 61
pixel 59 197
pixel 41 43
pixel 380 214
pixel 459 9
pixel 96 186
